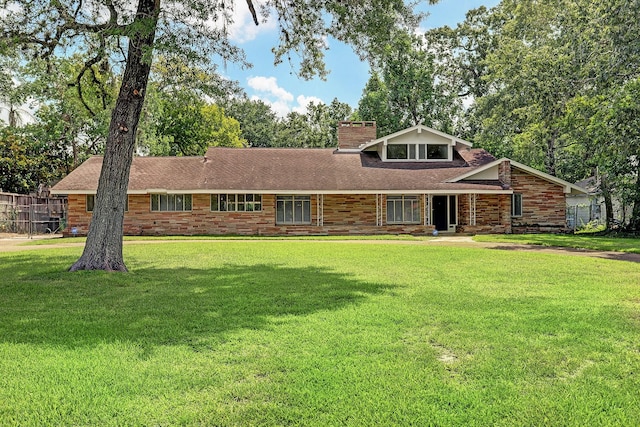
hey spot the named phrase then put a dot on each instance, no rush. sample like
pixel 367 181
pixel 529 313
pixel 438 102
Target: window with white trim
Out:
pixel 170 202
pixel 437 152
pixel 91 203
pixel 397 151
pixel 293 209
pixel 403 210
pixel 236 202
pixel 453 210
pixel 418 152
pixel 516 204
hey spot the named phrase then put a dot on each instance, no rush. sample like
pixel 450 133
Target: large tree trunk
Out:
pixel 634 223
pixel 608 200
pixel 550 160
pixel 103 250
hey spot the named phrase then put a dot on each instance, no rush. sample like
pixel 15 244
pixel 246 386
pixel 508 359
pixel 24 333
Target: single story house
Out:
pixel 413 181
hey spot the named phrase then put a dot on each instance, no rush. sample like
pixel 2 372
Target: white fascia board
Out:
pixel 447 192
pixel 419 129
pixel 338 192
pixel 476 170
pixel 223 191
pixel 166 191
pixel 568 187
pixel 68 192
pixel 348 150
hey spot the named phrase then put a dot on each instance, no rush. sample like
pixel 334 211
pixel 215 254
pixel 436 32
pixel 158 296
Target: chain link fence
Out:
pixel 29 215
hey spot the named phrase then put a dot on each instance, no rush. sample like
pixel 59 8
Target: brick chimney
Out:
pixel 504 173
pixel 352 134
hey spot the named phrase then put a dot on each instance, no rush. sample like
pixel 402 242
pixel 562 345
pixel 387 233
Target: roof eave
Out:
pixel 469 190
pixel 475 171
pixel 420 129
pixel 568 187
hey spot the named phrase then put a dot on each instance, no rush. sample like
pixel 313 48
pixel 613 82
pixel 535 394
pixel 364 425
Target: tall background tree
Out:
pixel 14 92
pixel 544 79
pixel 258 123
pixel 66 112
pixel 404 89
pixel 193 31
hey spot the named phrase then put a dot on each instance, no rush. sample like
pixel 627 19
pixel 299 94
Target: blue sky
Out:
pixel 285 92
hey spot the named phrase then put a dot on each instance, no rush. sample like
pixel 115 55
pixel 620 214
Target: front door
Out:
pixel 440 212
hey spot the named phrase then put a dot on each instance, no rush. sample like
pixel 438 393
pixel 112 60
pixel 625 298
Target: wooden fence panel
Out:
pixel 25 214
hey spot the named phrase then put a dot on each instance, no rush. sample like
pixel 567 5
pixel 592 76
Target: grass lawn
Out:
pixel 319 334
pixel 582 241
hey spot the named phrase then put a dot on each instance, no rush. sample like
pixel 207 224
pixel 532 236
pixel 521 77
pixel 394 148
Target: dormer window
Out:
pixel 398 151
pixel 418 152
pixel 438 152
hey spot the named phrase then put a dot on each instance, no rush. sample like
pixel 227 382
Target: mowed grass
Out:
pixel 319 334
pixel 576 241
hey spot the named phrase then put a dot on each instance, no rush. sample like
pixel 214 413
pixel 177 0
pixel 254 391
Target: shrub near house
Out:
pixel 413 181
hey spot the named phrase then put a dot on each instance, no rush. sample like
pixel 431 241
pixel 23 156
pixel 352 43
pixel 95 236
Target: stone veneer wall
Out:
pixel 492 214
pixel 543 204
pixel 343 214
pixel 349 209
pixel 77 215
pixel 543 211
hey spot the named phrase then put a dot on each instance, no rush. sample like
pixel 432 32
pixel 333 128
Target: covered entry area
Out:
pixel 444 212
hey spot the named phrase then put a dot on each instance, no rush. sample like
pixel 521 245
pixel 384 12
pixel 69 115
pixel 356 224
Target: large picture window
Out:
pixel 397 152
pixel 236 202
pixel 171 202
pixel 437 152
pixel 293 209
pixel 403 210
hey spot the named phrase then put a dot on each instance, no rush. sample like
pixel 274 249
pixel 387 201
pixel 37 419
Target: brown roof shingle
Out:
pixel 284 170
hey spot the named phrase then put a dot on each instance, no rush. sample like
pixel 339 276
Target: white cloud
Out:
pixel 279 107
pixel 304 101
pixel 243 29
pixel 269 85
pixel 279 99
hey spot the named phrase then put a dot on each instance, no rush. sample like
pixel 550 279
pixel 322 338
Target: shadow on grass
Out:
pixel 616 256
pixel 193 307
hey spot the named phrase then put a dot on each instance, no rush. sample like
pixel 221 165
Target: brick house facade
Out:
pixel 411 182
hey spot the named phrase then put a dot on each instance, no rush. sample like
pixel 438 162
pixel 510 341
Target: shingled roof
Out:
pixel 286 170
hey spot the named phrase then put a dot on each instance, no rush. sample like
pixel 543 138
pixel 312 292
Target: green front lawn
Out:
pixel 319 334
pixel 578 241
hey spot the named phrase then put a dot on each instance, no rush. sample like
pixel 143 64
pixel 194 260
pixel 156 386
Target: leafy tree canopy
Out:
pixel 192 32
pixel 405 88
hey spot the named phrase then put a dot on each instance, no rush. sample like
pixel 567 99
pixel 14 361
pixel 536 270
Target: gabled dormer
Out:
pixel 415 144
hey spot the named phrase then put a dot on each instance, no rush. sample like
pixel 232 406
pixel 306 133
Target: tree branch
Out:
pixel 253 11
pixel 88 67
